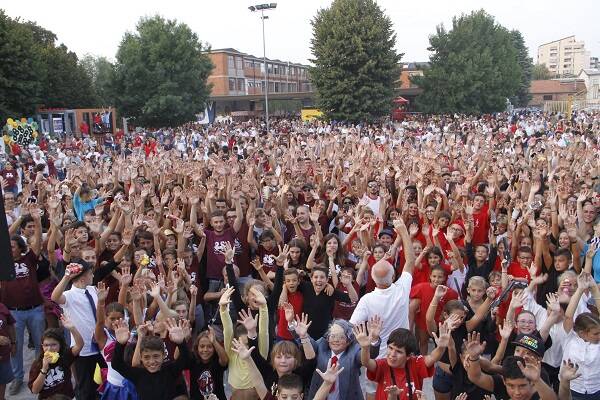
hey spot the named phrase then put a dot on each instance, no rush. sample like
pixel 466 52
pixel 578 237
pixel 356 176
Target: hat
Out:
pixel 386 231
pixel 168 232
pixel 531 343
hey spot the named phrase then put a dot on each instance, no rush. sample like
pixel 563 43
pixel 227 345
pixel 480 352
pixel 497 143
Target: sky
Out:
pixel 98 28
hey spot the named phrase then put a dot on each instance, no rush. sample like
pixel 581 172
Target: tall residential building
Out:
pixel 240 74
pixel 564 57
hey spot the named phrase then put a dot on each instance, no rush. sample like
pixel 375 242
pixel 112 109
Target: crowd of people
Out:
pixel 316 261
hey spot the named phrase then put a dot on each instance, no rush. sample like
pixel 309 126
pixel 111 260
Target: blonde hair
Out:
pixel 478 281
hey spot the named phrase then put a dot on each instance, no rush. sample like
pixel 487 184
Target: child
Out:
pixel 267 250
pixel 116 387
pixel 400 367
pixel 50 374
pixel 207 367
pixel 582 343
pixel 420 297
pixel 289 295
pixel 7 342
pixel 153 380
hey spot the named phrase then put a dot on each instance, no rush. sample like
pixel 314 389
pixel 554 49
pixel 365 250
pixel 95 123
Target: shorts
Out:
pixel 442 381
pixel 6 372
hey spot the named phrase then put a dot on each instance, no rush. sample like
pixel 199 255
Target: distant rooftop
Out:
pixel 230 50
pixel 557 40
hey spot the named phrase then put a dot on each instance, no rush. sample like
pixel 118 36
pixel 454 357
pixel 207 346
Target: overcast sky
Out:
pixel 97 27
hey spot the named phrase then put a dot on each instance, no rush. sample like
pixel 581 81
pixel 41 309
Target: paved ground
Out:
pixel 29 355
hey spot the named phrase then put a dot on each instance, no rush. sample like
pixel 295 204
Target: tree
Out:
pixel 161 73
pixel 101 72
pixel 474 67
pixel 522 97
pixel 541 72
pixel 19 70
pixel 355 63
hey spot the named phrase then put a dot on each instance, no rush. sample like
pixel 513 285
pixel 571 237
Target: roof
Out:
pixel 590 71
pixel 556 86
pixel 557 40
pixel 230 50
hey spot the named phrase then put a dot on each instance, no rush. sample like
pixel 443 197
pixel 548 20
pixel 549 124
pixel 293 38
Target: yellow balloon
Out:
pixel 10 121
pixel 7 139
pixel 34 134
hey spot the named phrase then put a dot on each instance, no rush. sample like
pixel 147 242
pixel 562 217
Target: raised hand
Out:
pixel 332 372
pixel 532 368
pixel 288 311
pixel 241 349
pixel 226 297
pixel 126 277
pixel 302 325
pixel 122 332
pixel 176 330
pixel 443 340
pixel 374 325
pixel 259 298
pixel 361 335
pixel 101 291
pixel 506 329
pixel 67 323
pixel 473 345
pixel 229 253
pixel 249 322
pixel 569 370
pixel 440 291
pixel 393 392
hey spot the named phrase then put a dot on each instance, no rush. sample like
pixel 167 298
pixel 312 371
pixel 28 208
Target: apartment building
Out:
pixel 241 74
pixel 564 57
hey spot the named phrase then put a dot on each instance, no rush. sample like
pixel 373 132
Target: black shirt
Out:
pixel 500 390
pixel 206 378
pixel 461 383
pixel 319 307
pixel 160 385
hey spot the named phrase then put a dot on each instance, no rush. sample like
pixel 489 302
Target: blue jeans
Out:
pixel 581 396
pixel 35 321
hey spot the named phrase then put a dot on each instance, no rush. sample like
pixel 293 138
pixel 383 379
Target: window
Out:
pixel 271 87
pixel 231 84
pixel 547 97
pixel 276 87
pixel 249 64
pixel 270 68
pixel 230 62
pixel 239 62
pixel 240 84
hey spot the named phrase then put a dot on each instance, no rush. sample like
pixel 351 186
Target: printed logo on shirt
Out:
pixel 268 259
pixel 21 270
pixel 55 377
pixel 206 383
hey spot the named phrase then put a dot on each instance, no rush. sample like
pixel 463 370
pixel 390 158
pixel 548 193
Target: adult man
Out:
pixel 390 299
pixel 23 298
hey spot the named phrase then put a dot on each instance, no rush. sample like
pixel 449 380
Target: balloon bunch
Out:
pixel 22 132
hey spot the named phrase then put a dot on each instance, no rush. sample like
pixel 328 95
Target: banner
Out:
pixel 23 132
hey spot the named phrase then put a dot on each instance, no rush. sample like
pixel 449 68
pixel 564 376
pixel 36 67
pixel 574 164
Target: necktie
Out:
pixel 94 346
pixel 334 361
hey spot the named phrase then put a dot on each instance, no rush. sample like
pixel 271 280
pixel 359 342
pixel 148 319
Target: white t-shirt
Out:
pixel 79 310
pixel 390 304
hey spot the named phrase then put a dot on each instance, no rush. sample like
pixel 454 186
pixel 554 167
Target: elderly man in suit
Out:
pixel 339 346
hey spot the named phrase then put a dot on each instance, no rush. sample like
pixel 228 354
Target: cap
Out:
pixel 531 343
pixel 386 231
pixel 168 232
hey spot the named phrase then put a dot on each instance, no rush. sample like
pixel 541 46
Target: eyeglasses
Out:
pixel 337 337
pixel 373 185
pixel 525 322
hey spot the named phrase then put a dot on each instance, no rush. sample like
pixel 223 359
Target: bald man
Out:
pixel 390 299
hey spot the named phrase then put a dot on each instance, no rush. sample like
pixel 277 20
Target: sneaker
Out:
pixel 15 387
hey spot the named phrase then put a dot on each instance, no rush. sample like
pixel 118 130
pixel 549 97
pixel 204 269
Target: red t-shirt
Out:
pixel 297 301
pixel 382 376
pixel 24 291
pixel 425 292
pixel 11 177
pixel 215 245
pixel 267 258
pixel 341 309
pixel 517 271
pixel 481 228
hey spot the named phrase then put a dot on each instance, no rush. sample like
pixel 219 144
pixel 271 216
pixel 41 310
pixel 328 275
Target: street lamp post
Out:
pixel 262 8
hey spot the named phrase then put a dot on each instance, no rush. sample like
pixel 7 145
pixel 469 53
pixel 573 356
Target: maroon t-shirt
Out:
pixel 11 177
pixel 58 378
pixel 267 258
pixel 24 291
pixel 6 320
pixel 242 260
pixel 215 246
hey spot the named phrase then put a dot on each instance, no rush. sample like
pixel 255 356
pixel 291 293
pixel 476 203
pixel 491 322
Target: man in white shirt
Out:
pixel 390 299
pixel 79 304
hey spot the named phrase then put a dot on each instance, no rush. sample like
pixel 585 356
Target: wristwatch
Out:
pixel 292 326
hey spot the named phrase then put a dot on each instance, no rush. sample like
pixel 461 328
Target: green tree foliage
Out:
pixel 20 68
pixel 474 67
pixel 522 97
pixel 355 63
pixel 101 72
pixel 541 72
pixel 35 72
pixel 161 73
